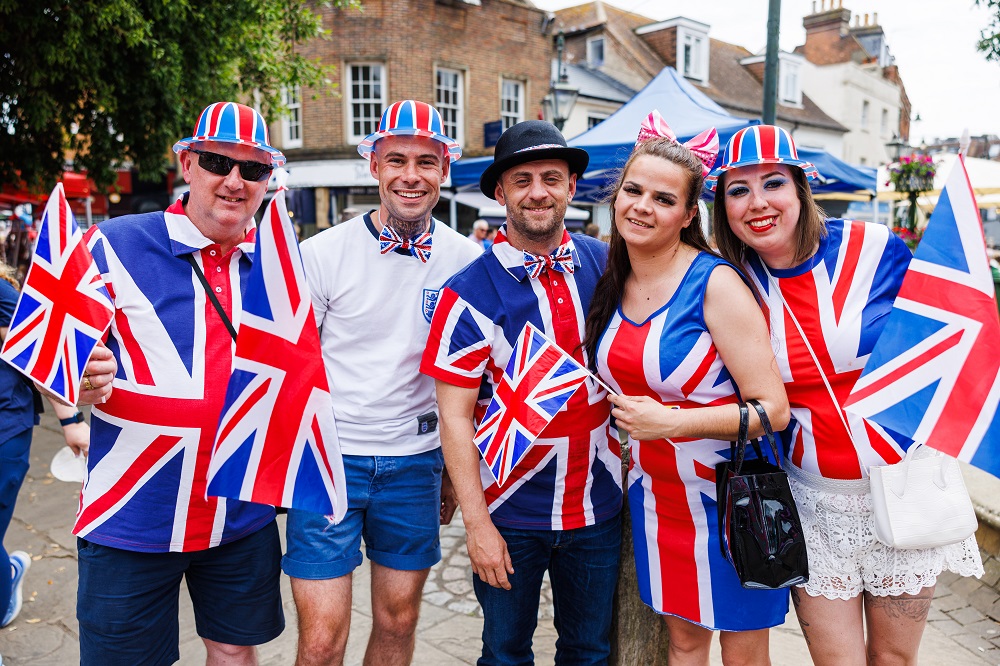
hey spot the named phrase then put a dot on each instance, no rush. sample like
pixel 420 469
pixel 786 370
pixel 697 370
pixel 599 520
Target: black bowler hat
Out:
pixel 530 141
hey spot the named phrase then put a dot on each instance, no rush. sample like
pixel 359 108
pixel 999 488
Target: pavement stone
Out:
pixel 46 633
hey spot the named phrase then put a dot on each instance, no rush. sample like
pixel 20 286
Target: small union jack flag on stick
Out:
pixel 934 375
pixel 539 380
pixel 277 440
pixel 64 309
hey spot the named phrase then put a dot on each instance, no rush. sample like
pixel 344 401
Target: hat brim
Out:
pixel 367 146
pixel 277 157
pixel 577 158
pixel 712 179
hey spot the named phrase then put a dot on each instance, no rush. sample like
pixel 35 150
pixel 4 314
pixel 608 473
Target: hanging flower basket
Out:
pixel 912 173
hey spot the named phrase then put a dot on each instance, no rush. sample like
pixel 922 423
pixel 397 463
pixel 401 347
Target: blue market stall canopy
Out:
pixel 689 112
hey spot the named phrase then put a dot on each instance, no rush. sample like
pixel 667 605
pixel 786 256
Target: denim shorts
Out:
pixel 127 601
pixel 393 503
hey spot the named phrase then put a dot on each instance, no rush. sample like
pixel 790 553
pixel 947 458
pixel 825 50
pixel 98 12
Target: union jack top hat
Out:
pixel 230 122
pixel 410 118
pixel 759 144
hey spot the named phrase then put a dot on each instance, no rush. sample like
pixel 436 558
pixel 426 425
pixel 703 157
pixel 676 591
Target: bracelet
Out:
pixel 76 418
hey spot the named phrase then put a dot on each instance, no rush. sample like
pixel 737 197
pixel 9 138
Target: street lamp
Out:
pixel 562 96
pixel 895 148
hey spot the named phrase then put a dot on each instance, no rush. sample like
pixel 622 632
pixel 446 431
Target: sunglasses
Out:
pixel 221 165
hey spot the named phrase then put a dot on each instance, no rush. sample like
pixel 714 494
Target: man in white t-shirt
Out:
pixel 374 282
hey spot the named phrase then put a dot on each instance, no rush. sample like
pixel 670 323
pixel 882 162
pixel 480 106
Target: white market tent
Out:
pixel 984 175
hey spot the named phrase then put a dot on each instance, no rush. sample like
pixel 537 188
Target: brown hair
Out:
pixel 810 228
pixel 7 273
pixel 611 286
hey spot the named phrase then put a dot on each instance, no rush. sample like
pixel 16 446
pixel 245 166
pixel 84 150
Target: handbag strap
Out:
pixel 211 296
pixel 738 449
pixel 768 430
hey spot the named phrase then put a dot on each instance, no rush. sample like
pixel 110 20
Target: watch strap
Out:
pixel 76 418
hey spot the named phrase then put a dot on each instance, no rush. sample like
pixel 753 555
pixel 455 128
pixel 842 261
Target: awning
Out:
pixel 327 173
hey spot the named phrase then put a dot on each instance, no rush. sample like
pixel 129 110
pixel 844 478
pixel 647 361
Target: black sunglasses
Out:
pixel 221 165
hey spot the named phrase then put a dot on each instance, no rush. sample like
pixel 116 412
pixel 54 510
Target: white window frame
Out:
pixel 697 41
pixel 511 107
pixel 594 119
pixel 591 47
pixel 450 101
pixel 865 112
pixel 376 99
pixel 791 82
pixel 291 123
pixel 885 122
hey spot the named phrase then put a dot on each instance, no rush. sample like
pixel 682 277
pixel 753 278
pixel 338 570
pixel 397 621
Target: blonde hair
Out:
pixel 7 273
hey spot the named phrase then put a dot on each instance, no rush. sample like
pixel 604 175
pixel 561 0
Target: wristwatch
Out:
pixel 76 418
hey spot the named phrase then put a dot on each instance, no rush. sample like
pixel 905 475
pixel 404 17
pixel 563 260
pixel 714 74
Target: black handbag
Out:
pixel 759 527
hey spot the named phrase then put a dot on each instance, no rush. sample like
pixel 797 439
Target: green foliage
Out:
pixel 989 42
pixel 118 81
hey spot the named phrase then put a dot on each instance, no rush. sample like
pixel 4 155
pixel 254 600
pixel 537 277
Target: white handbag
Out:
pixel 921 502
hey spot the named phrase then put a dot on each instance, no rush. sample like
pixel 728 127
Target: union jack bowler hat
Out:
pixel 410 118
pixel 229 122
pixel 759 144
pixel 530 141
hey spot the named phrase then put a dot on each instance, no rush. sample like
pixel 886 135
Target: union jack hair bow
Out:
pixel 705 146
pixel 419 246
pixel 561 260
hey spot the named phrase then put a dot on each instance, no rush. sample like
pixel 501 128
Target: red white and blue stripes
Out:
pixel 410 118
pixel 230 122
pixel 759 144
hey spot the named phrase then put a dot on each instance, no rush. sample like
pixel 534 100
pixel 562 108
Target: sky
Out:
pixel 950 84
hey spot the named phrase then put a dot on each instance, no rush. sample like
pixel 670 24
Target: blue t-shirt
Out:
pixel 17 401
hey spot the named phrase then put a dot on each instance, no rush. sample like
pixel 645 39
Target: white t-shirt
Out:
pixel 374 312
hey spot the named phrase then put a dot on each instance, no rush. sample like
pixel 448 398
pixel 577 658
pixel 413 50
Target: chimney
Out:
pixel 834 19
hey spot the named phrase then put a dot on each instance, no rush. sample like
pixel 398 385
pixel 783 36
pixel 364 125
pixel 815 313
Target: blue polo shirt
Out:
pixel 17 402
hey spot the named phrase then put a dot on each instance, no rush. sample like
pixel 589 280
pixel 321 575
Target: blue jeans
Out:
pixel 13 468
pixel 583 570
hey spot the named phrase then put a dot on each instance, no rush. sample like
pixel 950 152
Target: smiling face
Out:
pixel 763 208
pixel 650 208
pixel 536 195
pixel 221 206
pixel 410 170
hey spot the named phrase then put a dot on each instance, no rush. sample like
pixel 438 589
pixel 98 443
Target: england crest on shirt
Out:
pixel 430 302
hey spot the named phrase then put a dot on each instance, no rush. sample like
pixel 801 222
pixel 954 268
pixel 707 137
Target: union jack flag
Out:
pixel 277 440
pixel 64 308
pixel 538 381
pixel 934 374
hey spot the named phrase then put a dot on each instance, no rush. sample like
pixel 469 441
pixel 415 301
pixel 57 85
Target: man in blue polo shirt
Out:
pixel 559 510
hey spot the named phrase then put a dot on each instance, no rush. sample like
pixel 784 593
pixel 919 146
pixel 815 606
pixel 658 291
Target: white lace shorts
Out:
pixel 845 558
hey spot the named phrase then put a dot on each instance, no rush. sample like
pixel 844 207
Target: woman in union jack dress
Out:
pixel 673 325
pixel 827 287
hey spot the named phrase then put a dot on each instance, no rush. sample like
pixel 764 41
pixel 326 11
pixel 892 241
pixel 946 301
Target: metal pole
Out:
pixel 560 45
pixel 771 62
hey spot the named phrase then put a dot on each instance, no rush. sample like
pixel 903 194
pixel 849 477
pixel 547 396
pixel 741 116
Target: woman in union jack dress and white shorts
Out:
pixel 827 287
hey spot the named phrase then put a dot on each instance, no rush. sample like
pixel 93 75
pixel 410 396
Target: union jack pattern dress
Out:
pixel 841 298
pixel 152 440
pixel 672 493
pixel 571 475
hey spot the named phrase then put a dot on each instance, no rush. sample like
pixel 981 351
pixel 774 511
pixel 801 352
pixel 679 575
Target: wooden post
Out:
pixel 638 634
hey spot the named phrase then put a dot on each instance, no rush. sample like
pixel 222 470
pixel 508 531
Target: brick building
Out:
pixel 477 61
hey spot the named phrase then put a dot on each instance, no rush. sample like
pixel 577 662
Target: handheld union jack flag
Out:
pixel 538 381
pixel 277 440
pixel 934 374
pixel 64 308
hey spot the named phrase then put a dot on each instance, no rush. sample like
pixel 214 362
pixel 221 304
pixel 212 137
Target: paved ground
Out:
pixel 960 631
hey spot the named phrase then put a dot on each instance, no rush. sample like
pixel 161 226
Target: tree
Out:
pixel 989 42
pixel 110 82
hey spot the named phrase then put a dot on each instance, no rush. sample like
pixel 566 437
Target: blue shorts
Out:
pixel 127 601
pixel 393 502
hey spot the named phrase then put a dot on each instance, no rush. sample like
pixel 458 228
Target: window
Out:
pixel 865 107
pixel 366 99
pixel 791 91
pixel 449 96
pixel 511 102
pixel 595 51
pixel 691 61
pixel 291 125
pixel 885 122
pixel 594 119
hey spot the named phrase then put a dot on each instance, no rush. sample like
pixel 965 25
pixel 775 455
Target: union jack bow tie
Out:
pixel 419 246
pixel 561 260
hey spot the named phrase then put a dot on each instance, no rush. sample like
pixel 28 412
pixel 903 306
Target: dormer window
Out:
pixel 694 56
pixel 691 38
pixel 790 85
pixel 595 52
